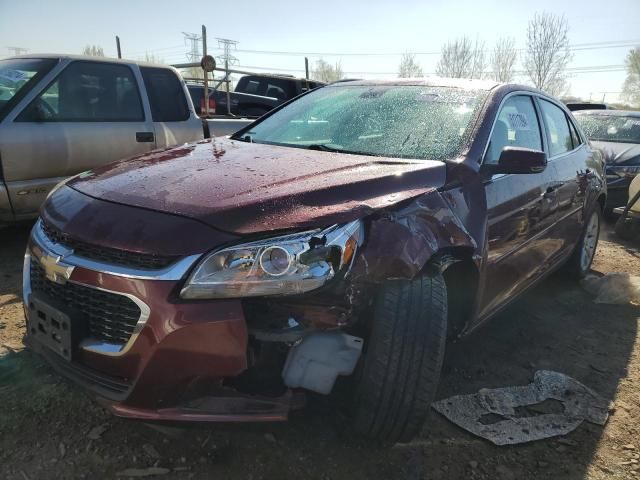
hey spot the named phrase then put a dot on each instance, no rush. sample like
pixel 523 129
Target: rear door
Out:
pixel 174 119
pixel 568 160
pixel 519 208
pixel 89 115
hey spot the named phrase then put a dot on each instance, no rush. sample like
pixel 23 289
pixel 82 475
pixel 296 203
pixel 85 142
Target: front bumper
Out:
pixel 174 364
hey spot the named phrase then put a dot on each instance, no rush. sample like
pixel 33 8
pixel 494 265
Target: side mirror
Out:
pixel 519 160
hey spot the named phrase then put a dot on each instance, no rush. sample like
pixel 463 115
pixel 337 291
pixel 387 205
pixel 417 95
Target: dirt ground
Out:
pixel 51 429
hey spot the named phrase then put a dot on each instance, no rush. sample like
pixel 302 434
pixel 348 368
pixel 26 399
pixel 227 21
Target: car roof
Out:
pixel 65 56
pixel 608 113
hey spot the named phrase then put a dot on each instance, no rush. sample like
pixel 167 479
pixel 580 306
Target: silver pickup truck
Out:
pixel 62 114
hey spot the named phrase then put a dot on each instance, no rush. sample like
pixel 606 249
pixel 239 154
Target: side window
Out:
pixel 557 128
pixel 575 138
pixel 276 92
pixel 251 87
pixel 166 96
pixel 516 126
pixel 88 92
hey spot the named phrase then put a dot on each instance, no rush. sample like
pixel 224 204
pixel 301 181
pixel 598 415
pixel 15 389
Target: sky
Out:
pixel 367 37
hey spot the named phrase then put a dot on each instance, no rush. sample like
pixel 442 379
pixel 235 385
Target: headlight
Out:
pixel 284 265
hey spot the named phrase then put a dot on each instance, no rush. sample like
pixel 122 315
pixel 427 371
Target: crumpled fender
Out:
pixel 400 243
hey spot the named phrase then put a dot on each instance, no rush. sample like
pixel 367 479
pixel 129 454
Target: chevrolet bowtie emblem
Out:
pixel 53 264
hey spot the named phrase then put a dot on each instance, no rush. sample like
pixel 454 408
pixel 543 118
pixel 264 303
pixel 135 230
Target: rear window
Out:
pixel 168 102
pixel 394 121
pixel 610 128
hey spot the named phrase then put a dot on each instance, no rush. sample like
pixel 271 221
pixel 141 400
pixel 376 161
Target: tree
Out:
pixel 461 58
pixel 93 51
pixel 325 72
pixel 503 59
pixel 153 58
pixel 547 54
pixel 631 87
pixel 409 67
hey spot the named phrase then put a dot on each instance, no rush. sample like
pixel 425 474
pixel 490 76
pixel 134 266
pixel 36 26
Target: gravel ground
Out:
pixel 51 429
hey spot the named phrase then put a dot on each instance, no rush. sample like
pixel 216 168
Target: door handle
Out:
pixel 551 192
pixel 143 137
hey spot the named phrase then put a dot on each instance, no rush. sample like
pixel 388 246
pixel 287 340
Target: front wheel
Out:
pixel 400 369
pixel 582 258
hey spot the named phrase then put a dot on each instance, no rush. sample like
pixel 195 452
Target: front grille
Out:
pixel 110 317
pixel 107 255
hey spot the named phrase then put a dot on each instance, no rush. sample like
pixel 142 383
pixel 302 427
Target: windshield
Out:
pixel 393 121
pixel 609 128
pixel 17 76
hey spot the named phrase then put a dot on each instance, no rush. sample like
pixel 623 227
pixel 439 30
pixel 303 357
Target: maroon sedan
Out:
pixel 342 239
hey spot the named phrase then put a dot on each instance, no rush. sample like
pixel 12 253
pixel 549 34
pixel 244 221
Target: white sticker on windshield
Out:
pixel 518 121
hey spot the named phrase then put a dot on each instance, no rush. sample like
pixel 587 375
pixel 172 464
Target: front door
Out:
pixel 520 209
pixel 90 115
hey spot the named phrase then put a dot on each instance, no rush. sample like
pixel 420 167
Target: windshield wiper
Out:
pixel 325 148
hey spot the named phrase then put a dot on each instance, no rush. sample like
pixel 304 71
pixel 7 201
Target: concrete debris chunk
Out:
pixel 553 404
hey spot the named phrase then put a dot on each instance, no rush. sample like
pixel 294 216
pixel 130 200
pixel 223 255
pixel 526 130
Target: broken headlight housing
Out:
pixel 284 265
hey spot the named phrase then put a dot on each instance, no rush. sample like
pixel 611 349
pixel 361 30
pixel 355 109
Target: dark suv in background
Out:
pixel 347 234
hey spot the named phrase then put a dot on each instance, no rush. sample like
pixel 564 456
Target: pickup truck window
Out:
pixel 88 92
pixel 168 102
pixel 610 128
pixel 394 121
pixel 17 77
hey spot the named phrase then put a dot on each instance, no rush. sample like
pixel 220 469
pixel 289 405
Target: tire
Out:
pixel 577 266
pixel 398 377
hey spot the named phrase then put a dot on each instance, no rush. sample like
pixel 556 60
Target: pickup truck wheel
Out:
pixel 580 262
pixel 400 368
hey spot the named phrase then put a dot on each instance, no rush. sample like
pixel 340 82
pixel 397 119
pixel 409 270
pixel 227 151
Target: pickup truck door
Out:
pixel 90 114
pixel 174 118
pixel 520 210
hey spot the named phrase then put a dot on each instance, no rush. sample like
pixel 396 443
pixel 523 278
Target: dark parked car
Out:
pixel 253 96
pixel 346 234
pixel 617 134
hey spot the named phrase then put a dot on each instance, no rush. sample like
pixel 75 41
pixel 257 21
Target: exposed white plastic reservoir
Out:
pixel 633 189
pixel 319 358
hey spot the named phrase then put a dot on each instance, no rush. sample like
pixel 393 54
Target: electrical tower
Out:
pixel 226 56
pixel 193 55
pixel 17 50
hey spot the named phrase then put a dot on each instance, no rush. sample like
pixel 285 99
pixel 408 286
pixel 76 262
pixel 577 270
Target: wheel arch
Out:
pixel 462 276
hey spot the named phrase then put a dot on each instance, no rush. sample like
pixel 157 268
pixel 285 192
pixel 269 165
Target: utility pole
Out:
pixel 17 50
pixel 228 59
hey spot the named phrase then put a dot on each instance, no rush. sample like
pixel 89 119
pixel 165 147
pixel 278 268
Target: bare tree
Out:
pixel 503 60
pixel 462 58
pixel 409 67
pixel 153 58
pixel 547 54
pixel 631 87
pixel 325 72
pixel 93 51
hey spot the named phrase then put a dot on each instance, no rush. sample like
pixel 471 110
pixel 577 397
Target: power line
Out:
pixel 575 47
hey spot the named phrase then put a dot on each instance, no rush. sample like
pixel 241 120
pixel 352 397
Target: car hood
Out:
pixel 244 187
pixel 616 153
